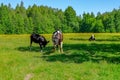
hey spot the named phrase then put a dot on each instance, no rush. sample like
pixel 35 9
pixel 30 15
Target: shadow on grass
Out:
pixel 80 58
pixel 47 50
pixel 27 48
pixel 93 47
pixel 79 53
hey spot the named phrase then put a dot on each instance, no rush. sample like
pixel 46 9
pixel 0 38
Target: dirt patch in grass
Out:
pixel 28 76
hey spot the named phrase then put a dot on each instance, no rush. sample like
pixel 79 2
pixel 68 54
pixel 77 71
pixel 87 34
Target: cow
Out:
pixel 92 38
pixel 38 39
pixel 57 39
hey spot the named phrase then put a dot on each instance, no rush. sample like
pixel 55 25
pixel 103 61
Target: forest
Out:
pixel 43 19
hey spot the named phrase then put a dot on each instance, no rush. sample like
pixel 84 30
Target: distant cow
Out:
pixel 38 39
pixel 57 39
pixel 92 38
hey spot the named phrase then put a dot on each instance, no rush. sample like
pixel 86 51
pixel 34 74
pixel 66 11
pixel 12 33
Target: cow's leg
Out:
pixel 54 47
pixel 40 47
pixel 61 47
pixel 30 44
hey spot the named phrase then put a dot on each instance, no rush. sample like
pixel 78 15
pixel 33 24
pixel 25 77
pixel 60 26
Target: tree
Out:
pixel 117 19
pixel 71 20
pixel 98 26
pixel 88 23
pixel 6 19
pixel 108 22
pixel 44 19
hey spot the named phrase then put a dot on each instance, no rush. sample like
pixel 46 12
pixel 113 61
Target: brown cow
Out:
pixel 57 39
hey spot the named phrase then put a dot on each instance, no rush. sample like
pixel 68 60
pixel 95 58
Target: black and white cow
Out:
pixel 57 39
pixel 38 39
pixel 92 38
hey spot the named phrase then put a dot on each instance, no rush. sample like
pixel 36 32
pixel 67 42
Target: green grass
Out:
pixel 81 60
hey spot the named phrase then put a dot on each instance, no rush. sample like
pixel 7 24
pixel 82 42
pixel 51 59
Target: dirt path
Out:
pixel 28 76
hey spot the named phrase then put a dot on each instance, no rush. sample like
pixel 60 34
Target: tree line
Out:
pixel 44 19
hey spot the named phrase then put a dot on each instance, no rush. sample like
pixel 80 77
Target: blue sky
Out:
pixel 80 6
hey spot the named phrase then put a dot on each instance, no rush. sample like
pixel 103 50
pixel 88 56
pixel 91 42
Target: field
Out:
pixel 81 60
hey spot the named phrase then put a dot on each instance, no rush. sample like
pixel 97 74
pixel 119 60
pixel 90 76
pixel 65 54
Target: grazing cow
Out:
pixel 57 39
pixel 92 38
pixel 38 39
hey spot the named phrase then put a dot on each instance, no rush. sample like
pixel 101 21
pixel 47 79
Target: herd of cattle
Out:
pixel 57 39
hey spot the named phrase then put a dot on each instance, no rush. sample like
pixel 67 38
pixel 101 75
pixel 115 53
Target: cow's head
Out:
pixel 45 43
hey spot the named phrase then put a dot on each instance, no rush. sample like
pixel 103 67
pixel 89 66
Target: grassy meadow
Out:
pixel 81 60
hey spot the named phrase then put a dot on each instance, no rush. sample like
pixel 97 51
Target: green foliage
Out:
pixel 117 19
pixel 71 19
pixel 44 19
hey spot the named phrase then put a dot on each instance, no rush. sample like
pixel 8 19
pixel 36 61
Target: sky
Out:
pixel 80 6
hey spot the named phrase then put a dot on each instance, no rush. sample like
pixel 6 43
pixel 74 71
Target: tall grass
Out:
pixel 81 60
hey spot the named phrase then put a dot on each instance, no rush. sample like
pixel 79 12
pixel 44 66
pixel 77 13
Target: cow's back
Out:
pixel 35 38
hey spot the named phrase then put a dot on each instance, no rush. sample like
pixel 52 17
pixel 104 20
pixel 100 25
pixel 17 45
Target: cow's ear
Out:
pixel 48 41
